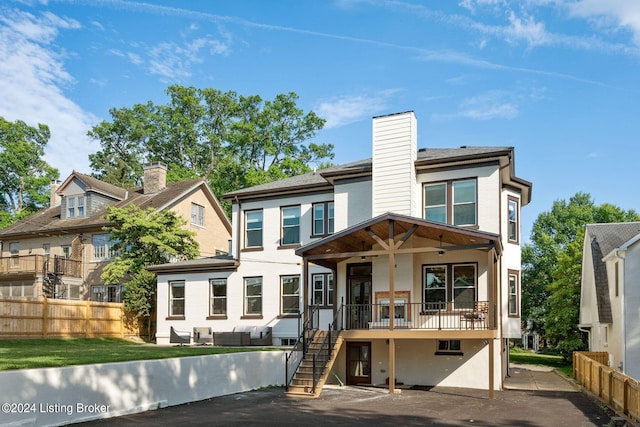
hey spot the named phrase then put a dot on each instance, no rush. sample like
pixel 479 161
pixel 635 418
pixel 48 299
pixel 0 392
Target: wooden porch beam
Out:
pixel 378 239
pixel 406 236
pixel 375 252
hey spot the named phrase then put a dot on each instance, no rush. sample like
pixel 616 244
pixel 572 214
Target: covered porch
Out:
pixel 406 309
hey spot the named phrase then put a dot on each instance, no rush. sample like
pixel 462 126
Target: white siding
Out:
pixel 394 154
pixel 352 203
pixel 631 290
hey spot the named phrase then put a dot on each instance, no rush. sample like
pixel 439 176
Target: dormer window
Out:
pixel 75 206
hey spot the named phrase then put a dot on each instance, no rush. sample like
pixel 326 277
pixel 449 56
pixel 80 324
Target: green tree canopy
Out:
pixel 233 141
pixel 143 238
pixel 551 266
pixel 24 175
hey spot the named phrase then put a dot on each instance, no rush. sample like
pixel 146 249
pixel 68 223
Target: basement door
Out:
pixel 358 363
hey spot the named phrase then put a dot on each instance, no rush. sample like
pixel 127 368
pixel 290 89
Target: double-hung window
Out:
pixel 323 219
pixel 71 207
pixel 14 252
pixel 253 229
pixel 253 296
pixel 218 295
pixel 102 247
pixel 514 287
pixel 445 284
pixel 75 206
pixel 176 298
pixel 197 214
pixel 290 225
pixel 290 294
pixel 513 231
pixel 322 289
pixel 451 202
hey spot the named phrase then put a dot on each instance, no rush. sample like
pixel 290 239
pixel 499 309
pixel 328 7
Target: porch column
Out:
pixel 392 312
pixel 491 357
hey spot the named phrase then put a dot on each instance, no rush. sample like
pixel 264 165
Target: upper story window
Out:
pixel 451 202
pixel 253 229
pixel 323 219
pixel 290 226
pixel 14 252
pixel 513 229
pixel 197 214
pixel 102 247
pixel 75 206
pixel 66 251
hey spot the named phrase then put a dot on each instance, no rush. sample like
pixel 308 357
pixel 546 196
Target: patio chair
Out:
pixel 479 314
pixel 179 337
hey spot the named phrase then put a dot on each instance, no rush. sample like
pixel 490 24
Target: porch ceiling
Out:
pixel 360 239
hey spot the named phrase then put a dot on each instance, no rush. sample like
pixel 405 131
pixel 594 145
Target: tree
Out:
pixel 232 141
pixel 24 175
pixel 561 325
pixel 143 238
pixel 550 281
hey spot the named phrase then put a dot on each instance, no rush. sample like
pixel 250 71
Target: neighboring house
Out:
pixel 412 256
pixel 61 251
pixel 610 293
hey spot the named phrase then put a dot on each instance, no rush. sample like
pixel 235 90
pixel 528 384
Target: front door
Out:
pixel 358 363
pixel 359 286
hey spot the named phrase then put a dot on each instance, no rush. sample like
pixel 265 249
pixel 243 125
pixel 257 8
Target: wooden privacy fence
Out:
pixel 619 391
pixel 59 318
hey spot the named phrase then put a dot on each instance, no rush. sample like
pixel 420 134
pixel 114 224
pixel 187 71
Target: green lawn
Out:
pixel 518 355
pixel 46 353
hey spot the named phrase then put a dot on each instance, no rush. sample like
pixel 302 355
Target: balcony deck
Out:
pixel 477 319
pixel 35 265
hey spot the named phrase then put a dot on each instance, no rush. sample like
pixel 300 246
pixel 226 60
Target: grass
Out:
pixel 47 353
pixel 525 357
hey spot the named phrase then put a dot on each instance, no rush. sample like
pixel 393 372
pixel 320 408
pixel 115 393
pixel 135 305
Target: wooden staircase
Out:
pixel 302 383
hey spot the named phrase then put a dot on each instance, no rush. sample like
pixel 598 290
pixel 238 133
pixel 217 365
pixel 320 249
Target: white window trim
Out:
pixel 197 215
pixel 283 295
pixel 172 298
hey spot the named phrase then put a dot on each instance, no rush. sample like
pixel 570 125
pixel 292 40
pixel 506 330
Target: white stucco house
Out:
pixel 610 293
pixel 404 268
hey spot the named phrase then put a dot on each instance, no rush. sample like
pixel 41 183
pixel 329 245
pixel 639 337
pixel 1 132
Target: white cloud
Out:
pixel 173 60
pixel 490 105
pixel 352 108
pixel 32 82
pixel 615 14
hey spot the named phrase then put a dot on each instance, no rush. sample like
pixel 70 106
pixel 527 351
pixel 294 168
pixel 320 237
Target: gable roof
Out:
pixel 94 184
pixel 323 179
pixel 612 235
pixel 603 239
pixel 359 239
pixel 48 221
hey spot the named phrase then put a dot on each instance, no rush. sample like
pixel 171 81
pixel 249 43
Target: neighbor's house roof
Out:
pixel 427 159
pixel 48 221
pixel 219 263
pixel 603 239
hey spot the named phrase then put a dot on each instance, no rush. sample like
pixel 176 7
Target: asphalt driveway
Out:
pixel 524 403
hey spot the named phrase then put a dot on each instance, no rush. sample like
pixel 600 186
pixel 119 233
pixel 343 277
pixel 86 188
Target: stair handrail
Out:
pixel 303 340
pixel 322 357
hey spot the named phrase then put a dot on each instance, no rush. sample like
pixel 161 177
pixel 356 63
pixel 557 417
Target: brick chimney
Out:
pixel 155 177
pixel 54 199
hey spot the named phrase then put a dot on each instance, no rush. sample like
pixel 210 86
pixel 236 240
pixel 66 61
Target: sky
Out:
pixel 557 80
